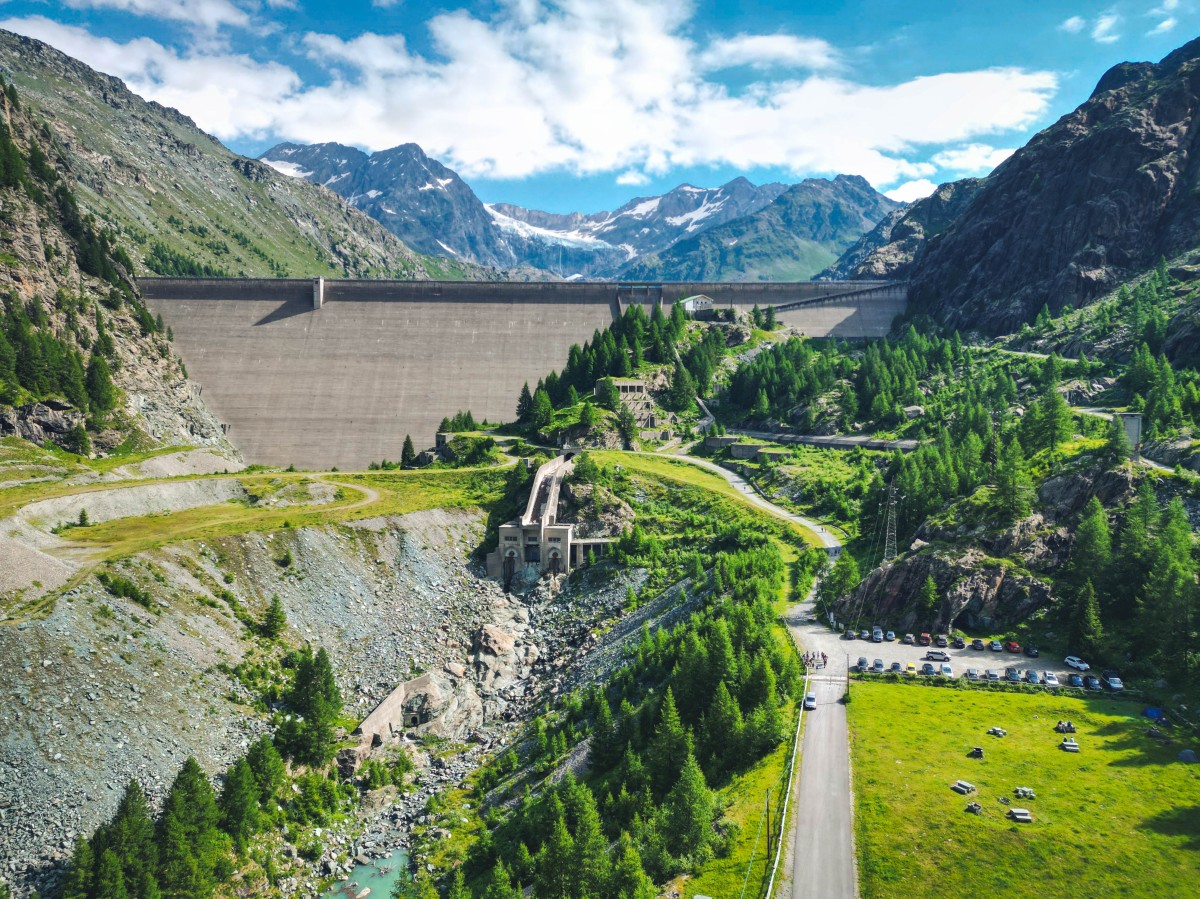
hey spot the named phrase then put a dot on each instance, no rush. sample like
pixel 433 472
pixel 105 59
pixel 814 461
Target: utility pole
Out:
pixel 889 543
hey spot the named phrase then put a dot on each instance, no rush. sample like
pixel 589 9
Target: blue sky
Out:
pixel 583 104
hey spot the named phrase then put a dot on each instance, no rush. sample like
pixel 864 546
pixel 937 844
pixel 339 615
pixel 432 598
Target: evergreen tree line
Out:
pixel 618 352
pixel 1130 587
pixel 695 706
pixel 36 363
pixel 190 847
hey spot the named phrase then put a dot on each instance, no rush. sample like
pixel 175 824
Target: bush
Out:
pixel 121 586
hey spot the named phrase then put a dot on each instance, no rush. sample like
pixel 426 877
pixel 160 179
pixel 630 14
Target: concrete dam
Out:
pixel 328 373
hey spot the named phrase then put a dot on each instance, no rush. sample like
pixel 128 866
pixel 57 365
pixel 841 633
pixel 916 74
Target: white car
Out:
pixel 1077 663
pixel 1050 679
pixel 947 671
pixel 810 701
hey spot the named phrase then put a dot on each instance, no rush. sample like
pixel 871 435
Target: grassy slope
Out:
pixel 1117 819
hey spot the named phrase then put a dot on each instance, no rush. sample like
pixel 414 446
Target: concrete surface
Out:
pixel 343 385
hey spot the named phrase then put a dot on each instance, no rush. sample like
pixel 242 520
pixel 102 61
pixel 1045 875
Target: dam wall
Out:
pixel 344 383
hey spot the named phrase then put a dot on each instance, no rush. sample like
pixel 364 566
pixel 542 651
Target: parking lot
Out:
pixel 960 659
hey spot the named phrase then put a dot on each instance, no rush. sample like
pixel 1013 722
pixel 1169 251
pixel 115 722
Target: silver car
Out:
pixel 810 701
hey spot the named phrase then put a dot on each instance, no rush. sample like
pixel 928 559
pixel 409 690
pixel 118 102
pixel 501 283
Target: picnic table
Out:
pixel 1020 815
pixel 1025 793
pixel 962 786
pixel 997 732
pixel 1068 744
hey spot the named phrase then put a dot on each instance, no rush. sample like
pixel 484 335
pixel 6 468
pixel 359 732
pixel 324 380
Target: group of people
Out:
pixel 1065 727
pixel 815 660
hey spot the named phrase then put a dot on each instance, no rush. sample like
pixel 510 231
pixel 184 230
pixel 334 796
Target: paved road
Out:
pixel 828 540
pixel 823 858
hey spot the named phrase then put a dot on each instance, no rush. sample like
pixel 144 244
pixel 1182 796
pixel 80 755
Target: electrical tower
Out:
pixel 889 543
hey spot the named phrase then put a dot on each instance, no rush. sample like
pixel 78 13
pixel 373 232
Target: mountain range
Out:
pixel 780 231
pixel 1091 201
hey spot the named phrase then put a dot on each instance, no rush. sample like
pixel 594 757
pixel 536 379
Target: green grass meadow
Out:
pixel 1119 818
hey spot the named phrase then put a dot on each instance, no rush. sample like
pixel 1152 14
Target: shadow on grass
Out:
pixel 1183 821
pixel 1131 736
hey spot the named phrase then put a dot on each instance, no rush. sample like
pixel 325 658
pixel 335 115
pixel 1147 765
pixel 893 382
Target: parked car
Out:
pixel 876 635
pixel 1075 680
pixel 1012 675
pixel 996 646
pixel 992 674
pixel 890 636
pixel 928 670
pixel 1114 684
pixel 909 639
pixel 1091 682
pixel 1031 651
pixel 810 701
pixel 973 674
pixel 1050 679
pixel 978 644
pixel 1077 663
pixel 910 669
pixel 896 668
pixel 850 633
pixel 945 670
pixel 937 655
pixel 1031 677
pixel 862 663
pixel 925 640
pixel 864 634
pixel 942 640
pixel 958 643
pixel 1012 646
pixel 877 666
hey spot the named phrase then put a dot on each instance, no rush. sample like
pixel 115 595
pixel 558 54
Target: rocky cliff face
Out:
pixel 795 236
pixel 1095 198
pixel 889 251
pixel 181 198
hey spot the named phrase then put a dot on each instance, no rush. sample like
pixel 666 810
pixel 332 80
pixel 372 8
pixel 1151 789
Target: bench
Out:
pixel 961 786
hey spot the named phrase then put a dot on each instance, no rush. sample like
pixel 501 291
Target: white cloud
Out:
pixel 971 159
pixel 764 51
pixel 633 178
pixel 228 95
pixel 1073 25
pixel 1104 31
pixel 579 86
pixel 208 14
pixel 1164 26
pixel 912 190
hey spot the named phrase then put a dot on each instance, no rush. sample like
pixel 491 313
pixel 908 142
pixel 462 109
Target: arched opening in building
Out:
pixel 555 562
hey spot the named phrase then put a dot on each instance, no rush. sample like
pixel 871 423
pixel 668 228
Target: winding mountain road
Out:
pixel 822 855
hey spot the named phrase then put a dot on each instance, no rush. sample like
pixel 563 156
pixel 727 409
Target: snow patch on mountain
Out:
pixel 524 229
pixel 697 215
pixel 287 168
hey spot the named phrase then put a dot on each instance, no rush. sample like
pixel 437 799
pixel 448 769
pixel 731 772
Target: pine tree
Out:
pixel 543 411
pixel 315 697
pixel 669 748
pixel 1014 486
pixel 188 837
pixel 689 812
pixel 1116 447
pixel 928 600
pixel 458 886
pixel 769 319
pixel 721 733
pixel 605 750
pixel 239 803
pixel 268 769
pixel 110 881
pixel 102 395
pixel 591 865
pixel 78 881
pixel 587 416
pixel 1092 552
pixel 629 880
pixel 555 864
pixel 275 619
pixel 1086 629
pixel 499 884
pixel 408 455
pixel 131 836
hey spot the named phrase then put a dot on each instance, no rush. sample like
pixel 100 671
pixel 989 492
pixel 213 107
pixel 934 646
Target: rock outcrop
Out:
pixel 889 251
pixel 38 422
pixel 1095 198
